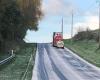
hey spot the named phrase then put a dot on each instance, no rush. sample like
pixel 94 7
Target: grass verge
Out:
pixel 15 69
pixel 85 49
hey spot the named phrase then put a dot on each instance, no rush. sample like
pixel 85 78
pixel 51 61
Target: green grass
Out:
pixel 85 49
pixel 15 69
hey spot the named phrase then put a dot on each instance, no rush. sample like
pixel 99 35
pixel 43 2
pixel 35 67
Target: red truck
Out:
pixel 58 40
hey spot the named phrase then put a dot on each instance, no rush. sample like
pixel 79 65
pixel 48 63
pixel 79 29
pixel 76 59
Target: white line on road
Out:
pixel 35 69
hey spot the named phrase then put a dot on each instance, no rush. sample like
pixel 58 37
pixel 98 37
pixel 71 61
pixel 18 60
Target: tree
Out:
pixel 16 19
pixel 31 10
pixel 83 34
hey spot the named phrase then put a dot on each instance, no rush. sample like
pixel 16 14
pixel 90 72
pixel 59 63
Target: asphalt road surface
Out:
pixel 61 64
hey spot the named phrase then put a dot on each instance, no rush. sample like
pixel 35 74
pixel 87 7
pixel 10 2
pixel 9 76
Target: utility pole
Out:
pixel 98 1
pixel 62 27
pixel 99 25
pixel 72 25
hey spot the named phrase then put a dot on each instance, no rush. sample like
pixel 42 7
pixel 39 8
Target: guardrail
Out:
pixel 8 58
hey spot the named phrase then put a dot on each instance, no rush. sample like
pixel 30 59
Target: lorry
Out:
pixel 58 40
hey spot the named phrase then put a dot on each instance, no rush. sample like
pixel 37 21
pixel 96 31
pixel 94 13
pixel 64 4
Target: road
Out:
pixel 61 64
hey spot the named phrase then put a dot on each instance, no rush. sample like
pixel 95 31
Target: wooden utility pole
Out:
pixel 99 26
pixel 62 27
pixel 72 25
pixel 98 1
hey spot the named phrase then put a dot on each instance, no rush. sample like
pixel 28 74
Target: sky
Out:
pixel 85 15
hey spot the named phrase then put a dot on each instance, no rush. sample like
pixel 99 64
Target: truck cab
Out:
pixel 58 40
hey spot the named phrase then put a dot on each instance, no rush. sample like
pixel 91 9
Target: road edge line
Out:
pixel 35 65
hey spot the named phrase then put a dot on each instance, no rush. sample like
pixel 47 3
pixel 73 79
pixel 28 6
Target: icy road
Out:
pixel 61 64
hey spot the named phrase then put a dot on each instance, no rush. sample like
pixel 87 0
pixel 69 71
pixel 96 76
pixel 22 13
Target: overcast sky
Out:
pixel 85 15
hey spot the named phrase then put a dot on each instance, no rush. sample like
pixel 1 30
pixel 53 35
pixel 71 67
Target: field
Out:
pixel 85 49
pixel 16 69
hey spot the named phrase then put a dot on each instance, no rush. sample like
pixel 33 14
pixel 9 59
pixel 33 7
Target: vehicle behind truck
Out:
pixel 58 40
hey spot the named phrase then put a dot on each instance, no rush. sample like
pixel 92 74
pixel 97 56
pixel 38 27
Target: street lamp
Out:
pixel 98 1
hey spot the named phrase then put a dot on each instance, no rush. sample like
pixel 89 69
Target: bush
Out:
pixel 87 35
